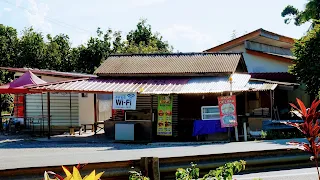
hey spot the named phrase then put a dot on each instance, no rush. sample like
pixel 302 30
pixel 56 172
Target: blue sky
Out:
pixel 188 25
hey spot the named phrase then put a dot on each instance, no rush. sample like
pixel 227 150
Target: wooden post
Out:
pixel 144 166
pixel 95 113
pixel 49 115
pixel 155 169
pixel 149 167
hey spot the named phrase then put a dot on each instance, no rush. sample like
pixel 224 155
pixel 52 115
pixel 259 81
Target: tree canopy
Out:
pixel 310 13
pixel 307 63
pixel 35 50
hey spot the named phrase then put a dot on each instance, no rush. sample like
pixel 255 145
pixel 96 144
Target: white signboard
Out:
pixel 125 101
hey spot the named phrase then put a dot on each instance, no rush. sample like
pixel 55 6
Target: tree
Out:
pixel 311 12
pixel 31 50
pixel 307 63
pixel 8 43
pixel 8 56
pixel 142 40
pixel 57 54
pixel 93 52
pixel 139 40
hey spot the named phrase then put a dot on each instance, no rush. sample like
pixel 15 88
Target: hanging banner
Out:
pixel 228 113
pixel 164 126
pixel 124 101
pixel 18 102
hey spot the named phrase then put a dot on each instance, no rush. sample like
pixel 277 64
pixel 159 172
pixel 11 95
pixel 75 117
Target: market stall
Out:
pixel 18 88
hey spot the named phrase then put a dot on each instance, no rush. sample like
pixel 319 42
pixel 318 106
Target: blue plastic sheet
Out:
pixel 203 127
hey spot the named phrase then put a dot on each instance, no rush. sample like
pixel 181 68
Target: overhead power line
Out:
pixel 55 21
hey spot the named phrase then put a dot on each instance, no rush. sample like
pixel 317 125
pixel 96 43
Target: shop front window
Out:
pixel 210 113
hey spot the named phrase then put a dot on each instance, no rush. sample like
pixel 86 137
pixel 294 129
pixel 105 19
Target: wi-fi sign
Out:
pixel 130 96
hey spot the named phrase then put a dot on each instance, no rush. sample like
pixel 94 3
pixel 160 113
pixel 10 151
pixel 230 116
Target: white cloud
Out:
pixel 144 3
pixel 195 38
pixel 36 14
pixel 18 2
pixel 7 9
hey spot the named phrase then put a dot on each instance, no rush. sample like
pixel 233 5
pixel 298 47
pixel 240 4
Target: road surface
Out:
pixel 36 154
pixel 293 174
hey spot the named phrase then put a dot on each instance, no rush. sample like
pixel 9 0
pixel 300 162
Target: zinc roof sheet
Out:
pixel 158 86
pixel 173 63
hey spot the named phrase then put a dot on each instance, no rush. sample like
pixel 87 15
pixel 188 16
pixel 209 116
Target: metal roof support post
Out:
pixel 49 115
pixel 42 116
pixel 70 115
pixel 152 118
pixel 95 113
pixel 271 104
pixel 235 127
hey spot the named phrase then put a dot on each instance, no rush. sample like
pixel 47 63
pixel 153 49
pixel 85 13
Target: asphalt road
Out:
pixel 37 154
pixel 293 174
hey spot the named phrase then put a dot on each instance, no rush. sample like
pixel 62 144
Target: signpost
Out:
pixel 228 111
pixel 124 101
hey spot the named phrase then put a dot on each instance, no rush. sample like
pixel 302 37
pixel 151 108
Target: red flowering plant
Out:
pixel 310 128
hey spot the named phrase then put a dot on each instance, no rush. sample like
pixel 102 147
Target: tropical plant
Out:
pixel 227 171
pixel 189 173
pixel 134 175
pixel 310 128
pixel 75 175
pixel 224 172
pixel 311 12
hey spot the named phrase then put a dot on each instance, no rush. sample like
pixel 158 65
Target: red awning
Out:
pixel 17 86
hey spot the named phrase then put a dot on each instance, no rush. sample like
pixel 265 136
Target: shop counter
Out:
pixel 142 130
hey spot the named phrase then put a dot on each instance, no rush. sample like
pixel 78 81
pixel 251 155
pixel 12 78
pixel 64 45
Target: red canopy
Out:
pixel 18 85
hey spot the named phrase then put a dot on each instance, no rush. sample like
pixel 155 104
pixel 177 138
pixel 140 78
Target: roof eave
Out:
pixel 241 39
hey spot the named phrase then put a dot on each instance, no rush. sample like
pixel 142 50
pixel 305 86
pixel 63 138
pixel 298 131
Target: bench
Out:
pixel 84 127
pixel 98 126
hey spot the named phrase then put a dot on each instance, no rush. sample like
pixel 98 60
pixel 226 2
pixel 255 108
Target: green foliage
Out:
pixel 227 171
pixel 34 50
pixel 31 49
pixel 307 63
pixel 189 173
pixel 224 172
pixel 134 175
pixel 310 13
pixel 142 40
pixel 264 134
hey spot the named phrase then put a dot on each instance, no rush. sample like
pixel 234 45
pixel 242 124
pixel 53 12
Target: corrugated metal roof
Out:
pixel 49 72
pixel 256 86
pixel 173 63
pixel 215 84
pixel 116 85
pixel 157 86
